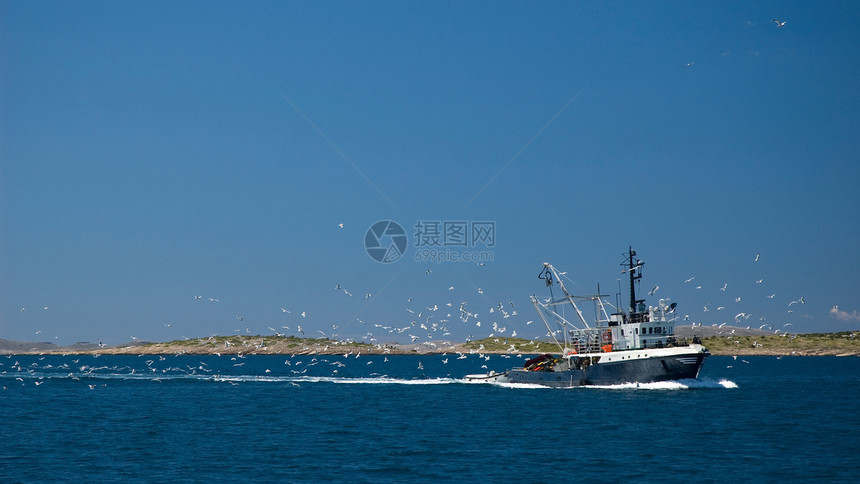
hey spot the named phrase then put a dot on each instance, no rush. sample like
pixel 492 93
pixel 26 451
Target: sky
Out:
pixel 176 170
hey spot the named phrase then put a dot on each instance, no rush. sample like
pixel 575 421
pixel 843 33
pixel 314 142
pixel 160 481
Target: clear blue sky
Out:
pixel 152 152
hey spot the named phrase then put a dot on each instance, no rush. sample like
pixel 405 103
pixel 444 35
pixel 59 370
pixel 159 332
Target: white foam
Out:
pixel 520 385
pixel 671 385
pixel 395 381
pixel 381 380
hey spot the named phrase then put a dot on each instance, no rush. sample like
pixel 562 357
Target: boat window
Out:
pixel 650 330
pixel 622 332
pixel 637 330
pixel 657 330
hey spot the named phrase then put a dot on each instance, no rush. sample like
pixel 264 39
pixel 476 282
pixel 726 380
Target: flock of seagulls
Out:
pixel 428 324
pixel 743 316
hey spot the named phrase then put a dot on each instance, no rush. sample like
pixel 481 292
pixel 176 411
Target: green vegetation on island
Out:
pixel 844 343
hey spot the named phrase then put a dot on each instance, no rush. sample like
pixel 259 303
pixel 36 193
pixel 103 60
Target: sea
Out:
pixel 413 418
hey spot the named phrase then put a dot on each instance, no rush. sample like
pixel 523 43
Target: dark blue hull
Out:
pixel 646 370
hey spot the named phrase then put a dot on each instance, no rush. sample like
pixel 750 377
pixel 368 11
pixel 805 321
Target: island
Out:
pixel 727 341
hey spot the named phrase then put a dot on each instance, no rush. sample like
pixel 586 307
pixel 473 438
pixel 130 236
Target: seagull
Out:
pixel 480 291
pixel 428 272
pixel 689 280
pixel 653 290
pixel 724 287
pixel 304 314
pixel 778 23
pixel 340 225
pixel 757 255
pixel 299 328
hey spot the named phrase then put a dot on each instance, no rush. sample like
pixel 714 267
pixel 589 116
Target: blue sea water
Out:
pixel 414 419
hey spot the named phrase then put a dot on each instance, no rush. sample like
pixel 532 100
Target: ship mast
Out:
pixel 634 268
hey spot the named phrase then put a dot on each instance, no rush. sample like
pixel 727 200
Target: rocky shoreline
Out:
pixel 749 343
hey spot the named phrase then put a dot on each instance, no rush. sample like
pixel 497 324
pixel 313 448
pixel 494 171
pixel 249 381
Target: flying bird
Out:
pixel 778 23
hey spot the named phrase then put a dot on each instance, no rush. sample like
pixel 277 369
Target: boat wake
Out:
pixel 662 385
pixel 671 385
pixel 234 379
pixel 379 380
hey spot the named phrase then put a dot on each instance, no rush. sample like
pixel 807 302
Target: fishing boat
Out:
pixel 636 345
